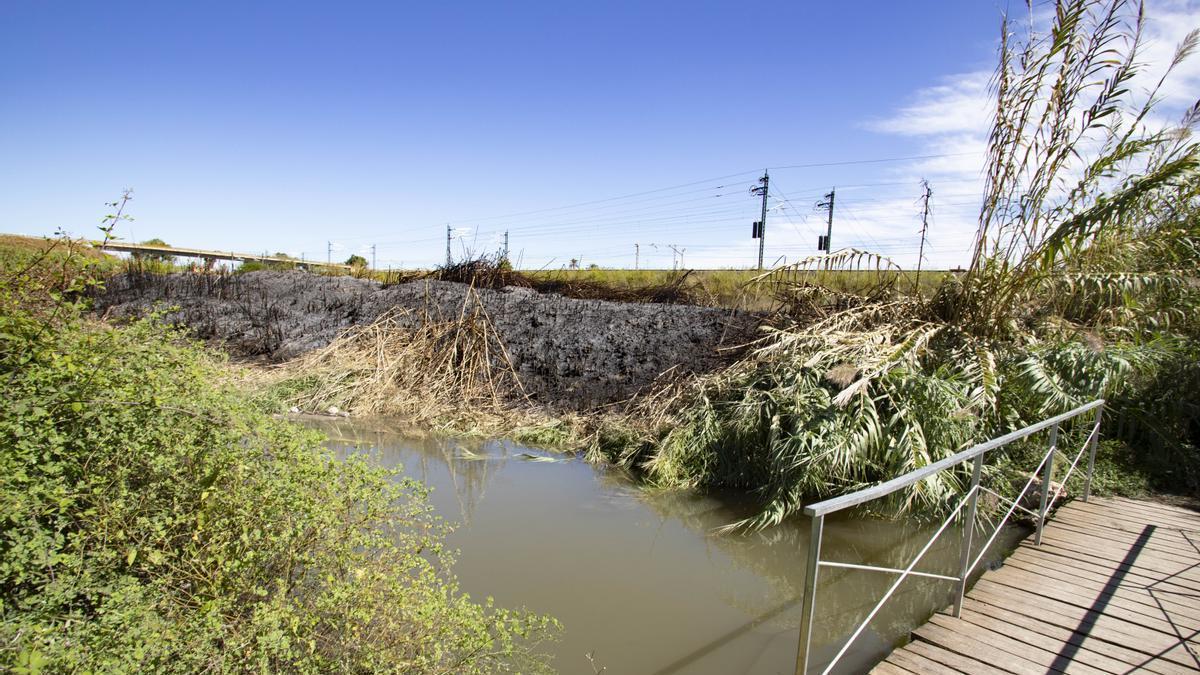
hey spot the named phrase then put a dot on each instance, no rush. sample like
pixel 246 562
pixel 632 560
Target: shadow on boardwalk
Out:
pixel 1114 588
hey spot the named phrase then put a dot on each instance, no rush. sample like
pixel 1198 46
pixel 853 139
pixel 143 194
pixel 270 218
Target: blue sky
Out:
pixel 285 126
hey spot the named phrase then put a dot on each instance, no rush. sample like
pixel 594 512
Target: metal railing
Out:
pixel 970 500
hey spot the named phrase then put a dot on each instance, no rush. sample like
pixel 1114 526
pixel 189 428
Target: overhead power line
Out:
pixel 882 160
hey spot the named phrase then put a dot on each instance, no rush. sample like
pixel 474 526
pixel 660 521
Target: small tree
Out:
pixel 155 257
pixel 356 261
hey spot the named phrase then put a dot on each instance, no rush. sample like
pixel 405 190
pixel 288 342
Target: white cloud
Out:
pixel 959 105
pixel 1167 24
pixel 950 120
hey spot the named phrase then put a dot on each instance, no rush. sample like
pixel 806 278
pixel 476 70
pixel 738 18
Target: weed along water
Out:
pixel 641 580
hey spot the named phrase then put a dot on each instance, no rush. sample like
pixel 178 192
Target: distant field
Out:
pixel 740 288
pixel 16 249
pixel 736 287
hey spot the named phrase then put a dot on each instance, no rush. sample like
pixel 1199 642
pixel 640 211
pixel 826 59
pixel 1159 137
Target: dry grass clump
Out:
pixel 415 364
pixel 482 273
pixel 819 286
pixel 675 288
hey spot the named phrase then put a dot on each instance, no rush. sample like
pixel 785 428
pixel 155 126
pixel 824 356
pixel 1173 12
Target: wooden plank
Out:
pixel 1157 539
pixel 1135 509
pixel 919 664
pixel 968 646
pixel 1079 595
pixel 1098 584
pixel 1120 541
pixel 952 659
pixel 1108 517
pixel 1132 584
pixel 1007 642
pixel 1146 544
pixel 1130 575
pixel 1167 562
pixel 1119 632
pixel 1115 561
pixel 1174 656
pixel 1135 515
pixel 1158 623
pixel 1041 559
pixel 888 668
pixel 1175 539
pixel 1165 533
pixel 1126 573
pixel 1082 591
pixel 1130 517
pixel 1123 503
pixel 1077 618
pixel 1068 636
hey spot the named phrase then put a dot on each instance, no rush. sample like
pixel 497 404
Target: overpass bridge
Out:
pixel 209 256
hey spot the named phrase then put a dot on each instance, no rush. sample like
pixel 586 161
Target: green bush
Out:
pixel 153 521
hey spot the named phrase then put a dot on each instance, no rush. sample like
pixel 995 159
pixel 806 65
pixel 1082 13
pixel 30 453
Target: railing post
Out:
pixel 809 602
pixel 1047 475
pixel 1094 441
pixel 965 557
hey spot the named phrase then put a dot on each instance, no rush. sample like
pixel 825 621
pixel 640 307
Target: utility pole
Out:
pixel 506 244
pixel 759 231
pixel 372 256
pixel 824 244
pixel 924 230
pixel 676 256
pixel 328 252
pixel 637 254
pixel 447 244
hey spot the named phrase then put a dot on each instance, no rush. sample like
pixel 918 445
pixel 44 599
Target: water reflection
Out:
pixel 641 579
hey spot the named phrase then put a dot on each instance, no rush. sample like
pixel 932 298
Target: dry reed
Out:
pixel 419 365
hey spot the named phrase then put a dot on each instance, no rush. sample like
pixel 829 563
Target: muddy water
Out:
pixel 639 579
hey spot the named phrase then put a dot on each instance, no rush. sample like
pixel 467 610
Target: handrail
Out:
pixel 970 500
pixel 883 489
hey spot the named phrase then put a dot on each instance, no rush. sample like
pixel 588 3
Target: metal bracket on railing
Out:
pixel 1047 478
pixel 1093 441
pixel 809 604
pixel 964 568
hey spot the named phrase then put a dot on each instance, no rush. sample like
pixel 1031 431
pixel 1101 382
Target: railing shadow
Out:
pixel 1066 656
pixel 688 659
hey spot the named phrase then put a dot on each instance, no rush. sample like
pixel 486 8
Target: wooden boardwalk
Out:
pixel 1114 588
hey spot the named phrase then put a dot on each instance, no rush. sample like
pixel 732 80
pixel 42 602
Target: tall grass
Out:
pixel 1083 284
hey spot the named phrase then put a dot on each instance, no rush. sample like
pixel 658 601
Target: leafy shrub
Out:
pixel 152 521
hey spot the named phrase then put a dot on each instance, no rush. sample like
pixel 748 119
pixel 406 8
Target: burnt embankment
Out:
pixel 567 352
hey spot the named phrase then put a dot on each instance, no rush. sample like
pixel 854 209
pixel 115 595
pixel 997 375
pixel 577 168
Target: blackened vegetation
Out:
pixel 568 353
pixel 488 273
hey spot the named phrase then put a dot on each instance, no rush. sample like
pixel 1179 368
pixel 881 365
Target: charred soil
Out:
pixel 568 353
